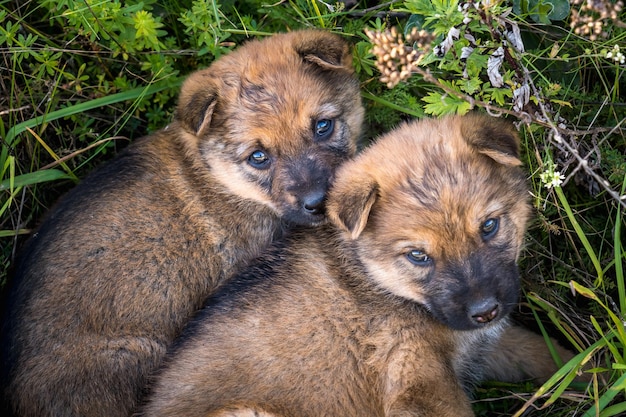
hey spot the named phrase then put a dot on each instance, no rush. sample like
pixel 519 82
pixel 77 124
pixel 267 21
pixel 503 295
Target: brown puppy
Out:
pixel 393 312
pixel 130 254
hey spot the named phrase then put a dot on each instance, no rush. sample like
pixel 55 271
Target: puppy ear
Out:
pixel 324 49
pixel 493 137
pixel 350 202
pixel 197 100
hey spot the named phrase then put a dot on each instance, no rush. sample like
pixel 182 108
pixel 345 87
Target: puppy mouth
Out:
pixel 480 314
pixel 471 323
pixel 304 217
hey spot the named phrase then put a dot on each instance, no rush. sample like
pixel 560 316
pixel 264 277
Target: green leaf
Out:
pixel 542 11
pixel 439 105
pixel 499 95
pixel 422 7
pixel 147 26
pixel 560 9
pixel 414 21
pixel 469 86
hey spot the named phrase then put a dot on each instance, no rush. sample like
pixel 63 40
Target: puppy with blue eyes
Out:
pixel 128 256
pixel 395 309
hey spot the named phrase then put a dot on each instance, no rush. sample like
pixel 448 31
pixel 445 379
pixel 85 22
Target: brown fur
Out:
pixel 120 265
pixel 393 312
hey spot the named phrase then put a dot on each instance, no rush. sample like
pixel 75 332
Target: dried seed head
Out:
pixel 591 17
pixel 396 53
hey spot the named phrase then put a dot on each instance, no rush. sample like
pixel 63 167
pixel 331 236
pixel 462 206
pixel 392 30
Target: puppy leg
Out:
pixel 435 398
pixel 523 355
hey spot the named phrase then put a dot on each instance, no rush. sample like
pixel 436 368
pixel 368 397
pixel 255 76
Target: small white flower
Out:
pixel 557 180
pixel 616 55
pixel 551 178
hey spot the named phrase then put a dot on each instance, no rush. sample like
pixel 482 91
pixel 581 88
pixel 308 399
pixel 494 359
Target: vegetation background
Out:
pixel 80 79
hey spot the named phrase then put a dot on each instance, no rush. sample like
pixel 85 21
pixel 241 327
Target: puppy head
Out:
pixel 272 120
pixel 437 211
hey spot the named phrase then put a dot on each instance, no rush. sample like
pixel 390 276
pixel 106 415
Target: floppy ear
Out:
pixel 350 202
pixel 197 100
pixel 493 137
pixel 326 50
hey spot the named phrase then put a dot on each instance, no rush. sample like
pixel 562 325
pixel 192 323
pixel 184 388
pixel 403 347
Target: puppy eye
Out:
pixel 259 160
pixel 323 128
pixel 489 228
pixel 418 257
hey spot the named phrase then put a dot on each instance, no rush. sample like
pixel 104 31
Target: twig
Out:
pixel 5 112
pixel 78 152
pixel 559 141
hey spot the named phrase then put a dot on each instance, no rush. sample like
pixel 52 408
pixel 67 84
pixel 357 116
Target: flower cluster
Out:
pixel 550 177
pixel 396 55
pixel 616 55
pixel 589 20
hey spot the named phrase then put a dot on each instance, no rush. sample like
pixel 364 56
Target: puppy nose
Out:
pixel 313 203
pixel 485 311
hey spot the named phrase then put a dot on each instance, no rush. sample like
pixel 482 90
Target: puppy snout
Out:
pixel 485 311
pixel 313 203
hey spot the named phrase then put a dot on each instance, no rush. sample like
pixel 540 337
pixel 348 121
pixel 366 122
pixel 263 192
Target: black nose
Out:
pixel 313 203
pixel 484 311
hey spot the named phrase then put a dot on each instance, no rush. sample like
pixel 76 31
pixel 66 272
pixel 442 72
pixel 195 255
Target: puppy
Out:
pixel 123 261
pixel 394 311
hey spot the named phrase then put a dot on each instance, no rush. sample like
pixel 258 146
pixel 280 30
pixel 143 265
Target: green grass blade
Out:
pixel 581 234
pixel 9 164
pixel 533 297
pixel 610 346
pixel 12 233
pixel 33 178
pixel 317 13
pixel 89 105
pixel 562 378
pixel 586 292
pixel 614 410
pixel 9 200
pixel 617 251
pixel 618 387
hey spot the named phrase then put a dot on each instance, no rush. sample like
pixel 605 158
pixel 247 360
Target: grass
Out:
pixel 81 79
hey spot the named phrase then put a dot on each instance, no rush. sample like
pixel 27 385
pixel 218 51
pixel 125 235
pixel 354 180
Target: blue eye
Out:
pixel 323 128
pixel 259 160
pixel 418 257
pixel 489 228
